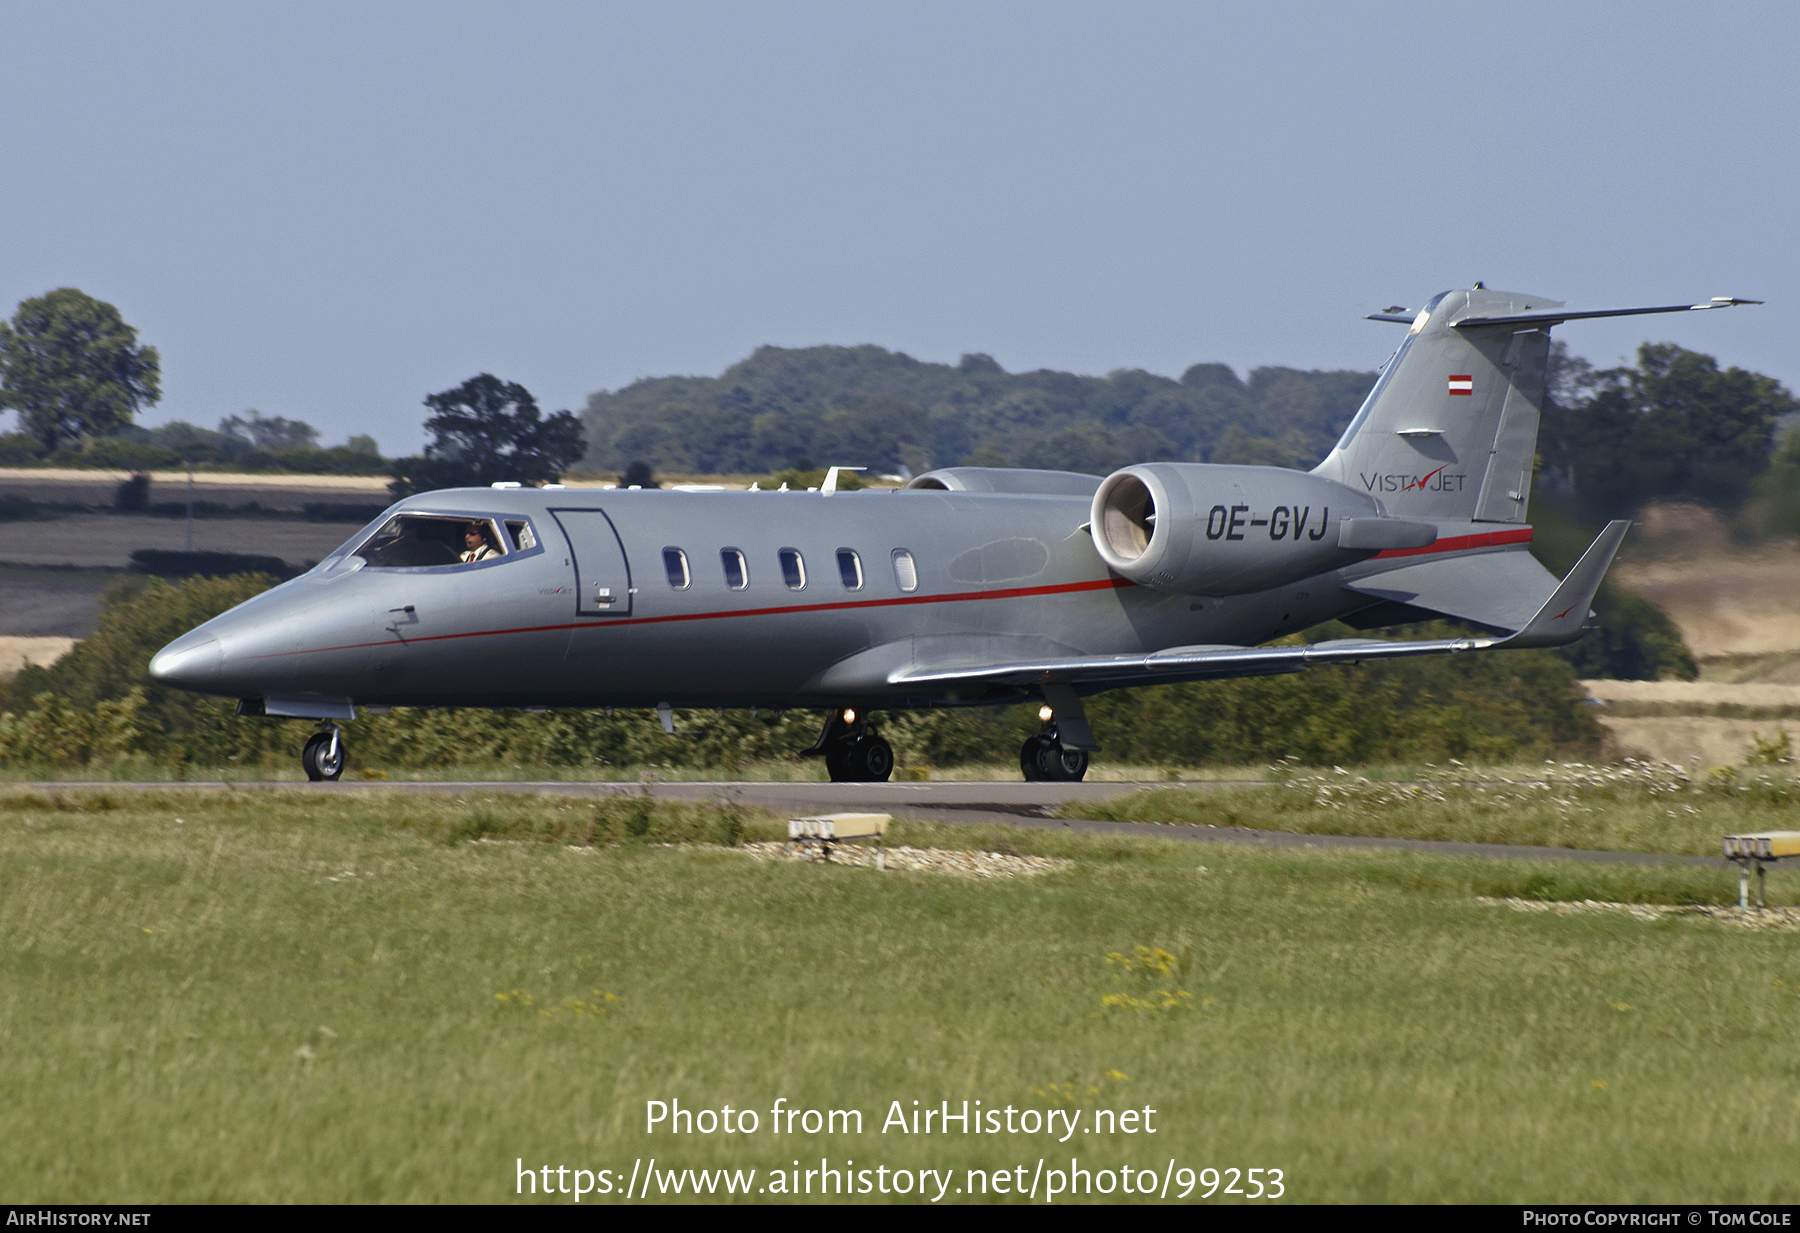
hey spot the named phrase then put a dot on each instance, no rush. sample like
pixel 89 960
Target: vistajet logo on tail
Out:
pixel 1431 481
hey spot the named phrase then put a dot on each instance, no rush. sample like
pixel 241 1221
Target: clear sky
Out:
pixel 326 211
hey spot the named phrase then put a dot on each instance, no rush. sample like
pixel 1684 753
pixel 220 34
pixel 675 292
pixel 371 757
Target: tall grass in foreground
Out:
pixel 282 996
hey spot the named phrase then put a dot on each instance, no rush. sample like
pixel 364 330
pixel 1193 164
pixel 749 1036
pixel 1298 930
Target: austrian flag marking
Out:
pixel 1462 384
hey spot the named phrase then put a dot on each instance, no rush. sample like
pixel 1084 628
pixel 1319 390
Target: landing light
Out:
pixel 849 717
pixel 1044 713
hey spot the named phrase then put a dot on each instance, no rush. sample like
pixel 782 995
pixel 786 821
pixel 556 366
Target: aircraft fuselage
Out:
pixel 777 599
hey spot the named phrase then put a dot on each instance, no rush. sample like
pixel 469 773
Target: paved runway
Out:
pixel 1012 803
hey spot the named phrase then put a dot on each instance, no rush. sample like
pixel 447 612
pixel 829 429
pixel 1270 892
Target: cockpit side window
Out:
pixel 520 533
pixel 414 540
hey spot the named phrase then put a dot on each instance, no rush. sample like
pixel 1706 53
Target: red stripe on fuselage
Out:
pixel 1461 543
pixel 597 622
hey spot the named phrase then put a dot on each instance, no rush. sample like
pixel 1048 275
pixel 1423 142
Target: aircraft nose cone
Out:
pixel 187 663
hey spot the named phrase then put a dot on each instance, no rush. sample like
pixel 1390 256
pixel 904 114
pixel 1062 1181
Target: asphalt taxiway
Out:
pixel 1010 803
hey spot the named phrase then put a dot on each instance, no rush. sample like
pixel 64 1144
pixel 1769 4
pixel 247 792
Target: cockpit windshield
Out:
pixel 413 540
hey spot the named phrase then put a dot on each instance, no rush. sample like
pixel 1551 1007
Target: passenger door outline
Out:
pixel 602 570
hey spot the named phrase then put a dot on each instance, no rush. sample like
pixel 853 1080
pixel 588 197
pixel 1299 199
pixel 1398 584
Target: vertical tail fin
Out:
pixel 1450 429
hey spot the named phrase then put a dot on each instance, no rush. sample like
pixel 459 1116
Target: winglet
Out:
pixel 1564 614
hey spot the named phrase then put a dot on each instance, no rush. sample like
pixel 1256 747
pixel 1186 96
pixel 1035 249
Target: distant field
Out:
pixel 107 541
pixel 51 603
pixel 1712 723
pixel 97 488
pixel 292 998
pixel 1696 694
pixel 15 653
pixel 1729 601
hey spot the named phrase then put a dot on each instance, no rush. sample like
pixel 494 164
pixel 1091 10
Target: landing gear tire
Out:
pixel 861 759
pixel 872 759
pixel 1045 758
pixel 323 756
pixel 1029 754
pixel 853 752
pixel 1066 765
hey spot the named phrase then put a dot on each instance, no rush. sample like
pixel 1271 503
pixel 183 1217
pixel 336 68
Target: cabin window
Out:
pixel 793 569
pixel 906 572
pixel 737 570
pixel 850 569
pixel 409 541
pixel 520 533
pixel 676 566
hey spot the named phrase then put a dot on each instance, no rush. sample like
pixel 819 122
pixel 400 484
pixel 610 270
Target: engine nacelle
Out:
pixel 1206 530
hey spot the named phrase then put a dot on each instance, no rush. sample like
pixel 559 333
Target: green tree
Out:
pixel 71 367
pixel 488 430
pixel 1777 510
pixel 269 433
pixel 1676 425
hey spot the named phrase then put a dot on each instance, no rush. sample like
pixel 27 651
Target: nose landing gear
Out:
pixel 323 756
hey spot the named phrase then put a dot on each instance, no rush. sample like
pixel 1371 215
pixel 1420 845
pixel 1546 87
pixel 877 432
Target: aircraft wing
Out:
pixel 1559 620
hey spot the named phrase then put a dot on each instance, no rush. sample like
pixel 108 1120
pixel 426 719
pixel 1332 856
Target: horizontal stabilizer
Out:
pixel 1558 620
pixel 1560 315
pixel 1500 589
pixel 1399 316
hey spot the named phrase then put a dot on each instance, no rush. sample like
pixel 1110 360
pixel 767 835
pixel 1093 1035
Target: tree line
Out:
pixel 870 406
pixel 1674 425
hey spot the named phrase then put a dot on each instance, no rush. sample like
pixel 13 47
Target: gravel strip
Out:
pixel 1752 918
pixel 931 860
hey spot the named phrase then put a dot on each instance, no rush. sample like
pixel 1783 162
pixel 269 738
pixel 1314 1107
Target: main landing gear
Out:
pixel 854 752
pixel 1044 756
pixel 323 756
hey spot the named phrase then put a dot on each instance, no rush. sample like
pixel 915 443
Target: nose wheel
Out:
pixel 1044 757
pixel 323 756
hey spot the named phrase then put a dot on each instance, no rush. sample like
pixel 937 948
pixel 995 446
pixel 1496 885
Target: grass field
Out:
pixel 1637 807
pixel 279 997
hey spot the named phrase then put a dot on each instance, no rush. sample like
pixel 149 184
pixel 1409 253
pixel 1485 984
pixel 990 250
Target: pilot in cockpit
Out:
pixel 478 545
